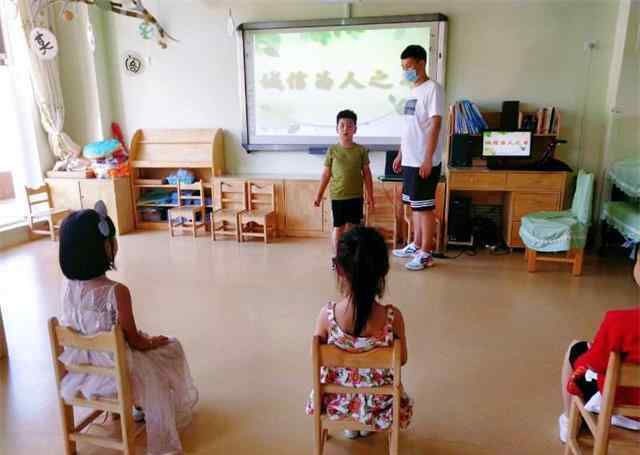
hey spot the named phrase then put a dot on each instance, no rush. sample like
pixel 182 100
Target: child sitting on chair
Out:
pixel 359 323
pixel 583 370
pixel 160 379
pixel 346 166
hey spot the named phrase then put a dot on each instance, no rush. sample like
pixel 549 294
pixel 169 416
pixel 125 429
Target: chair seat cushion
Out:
pixel 552 231
pixel 624 217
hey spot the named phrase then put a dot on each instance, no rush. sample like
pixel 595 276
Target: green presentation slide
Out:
pixel 302 78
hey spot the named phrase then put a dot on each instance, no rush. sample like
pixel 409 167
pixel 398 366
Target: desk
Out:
pixel 520 193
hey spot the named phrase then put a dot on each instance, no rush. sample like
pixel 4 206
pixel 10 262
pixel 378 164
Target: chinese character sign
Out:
pixel 44 43
pixel 298 80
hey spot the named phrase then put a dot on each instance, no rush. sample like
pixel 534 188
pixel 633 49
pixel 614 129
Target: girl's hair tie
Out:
pixel 103 226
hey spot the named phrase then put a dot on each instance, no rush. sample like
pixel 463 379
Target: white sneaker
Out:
pixel 420 261
pixel 406 252
pixel 351 434
pixel 365 433
pixel 563 427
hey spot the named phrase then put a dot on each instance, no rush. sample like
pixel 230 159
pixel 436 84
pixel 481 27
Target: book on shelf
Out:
pixel 468 119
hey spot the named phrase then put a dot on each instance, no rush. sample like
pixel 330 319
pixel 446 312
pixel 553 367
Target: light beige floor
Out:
pixel 485 343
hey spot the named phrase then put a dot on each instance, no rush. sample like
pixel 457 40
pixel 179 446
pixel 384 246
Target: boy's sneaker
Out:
pixel 420 261
pixel 563 427
pixel 351 434
pixel 365 433
pixel 406 252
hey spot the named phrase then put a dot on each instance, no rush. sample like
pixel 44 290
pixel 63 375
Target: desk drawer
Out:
pixel 478 180
pixel 524 203
pixel 536 181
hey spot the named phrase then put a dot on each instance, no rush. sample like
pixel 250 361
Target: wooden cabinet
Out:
pixel 523 192
pixel 77 194
pixel 159 153
pixel 302 218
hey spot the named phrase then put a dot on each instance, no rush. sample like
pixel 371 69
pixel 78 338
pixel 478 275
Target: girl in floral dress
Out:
pixel 160 379
pixel 359 323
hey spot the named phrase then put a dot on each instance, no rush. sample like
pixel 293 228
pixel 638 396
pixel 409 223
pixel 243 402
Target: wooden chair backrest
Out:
pixel 38 196
pixel 330 356
pixel 183 187
pixel 261 196
pixel 111 342
pixel 230 194
pixel 619 374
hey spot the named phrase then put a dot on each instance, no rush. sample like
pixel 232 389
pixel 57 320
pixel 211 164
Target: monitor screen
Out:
pixel 506 143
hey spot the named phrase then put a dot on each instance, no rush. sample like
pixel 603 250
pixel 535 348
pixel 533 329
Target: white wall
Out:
pixel 531 51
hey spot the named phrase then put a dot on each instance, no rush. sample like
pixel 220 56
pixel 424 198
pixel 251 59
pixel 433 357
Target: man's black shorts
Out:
pixel 420 193
pixel 347 211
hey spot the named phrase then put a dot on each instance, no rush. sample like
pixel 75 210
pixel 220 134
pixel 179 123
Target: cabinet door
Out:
pixel 65 193
pixel 92 191
pixel 301 216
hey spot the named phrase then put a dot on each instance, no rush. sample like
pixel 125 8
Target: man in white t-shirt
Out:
pixel 420 155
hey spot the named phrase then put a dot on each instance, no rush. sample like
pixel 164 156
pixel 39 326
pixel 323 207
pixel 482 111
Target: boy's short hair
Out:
pixel 414 51
pixel 82 246
pixel 348 114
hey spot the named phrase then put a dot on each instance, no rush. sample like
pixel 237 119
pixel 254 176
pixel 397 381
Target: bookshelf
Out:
pixel 158 153
pixel 493 121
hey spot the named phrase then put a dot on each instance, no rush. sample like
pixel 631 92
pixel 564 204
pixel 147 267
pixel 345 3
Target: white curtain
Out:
pixel 45 79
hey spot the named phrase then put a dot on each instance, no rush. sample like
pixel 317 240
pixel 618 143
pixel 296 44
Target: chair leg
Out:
pixel 573 427
pixel 317 441
pixel 393 442
pixel 52 231
pixel 578 259
pixel 265 232
pixel 68 426
pixel 531 260
pixel 213 228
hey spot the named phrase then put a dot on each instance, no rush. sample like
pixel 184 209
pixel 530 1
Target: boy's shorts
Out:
pixel 347 211
pixel 420 193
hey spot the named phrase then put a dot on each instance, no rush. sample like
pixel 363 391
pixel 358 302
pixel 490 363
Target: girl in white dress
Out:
pixel 160 378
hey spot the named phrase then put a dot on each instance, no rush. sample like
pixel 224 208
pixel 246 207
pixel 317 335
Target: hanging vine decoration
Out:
pixel 133 8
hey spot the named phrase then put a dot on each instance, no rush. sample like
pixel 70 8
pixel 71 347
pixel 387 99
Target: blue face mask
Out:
pixel 410 75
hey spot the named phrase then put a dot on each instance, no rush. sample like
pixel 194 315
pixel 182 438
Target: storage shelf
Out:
pixel 147 204
pixel 171 164
pixel 145 185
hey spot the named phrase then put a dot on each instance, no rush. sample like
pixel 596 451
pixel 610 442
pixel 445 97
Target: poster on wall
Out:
pixel 133 63
pixel 44 43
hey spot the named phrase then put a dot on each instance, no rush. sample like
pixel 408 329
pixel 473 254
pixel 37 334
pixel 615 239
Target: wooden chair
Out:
pixel 383 218
pixel 231 197
pixel 112 342
pixel 602 434
pixel 439 214
pixel 186 216
pixel 563 231
pixel 52 217
pixel 331 356
pixel 261 210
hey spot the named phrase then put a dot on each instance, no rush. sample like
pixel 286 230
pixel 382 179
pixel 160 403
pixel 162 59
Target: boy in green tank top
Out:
pixel 346 166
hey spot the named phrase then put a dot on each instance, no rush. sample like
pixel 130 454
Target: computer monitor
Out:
pixel 496 143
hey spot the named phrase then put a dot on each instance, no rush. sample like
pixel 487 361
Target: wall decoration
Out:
pixel 133 63
pixel 131 8
pixel 44 43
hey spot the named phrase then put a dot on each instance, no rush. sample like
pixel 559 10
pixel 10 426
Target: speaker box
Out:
pixel 459 223
pixel 464 148
pixel 509 115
